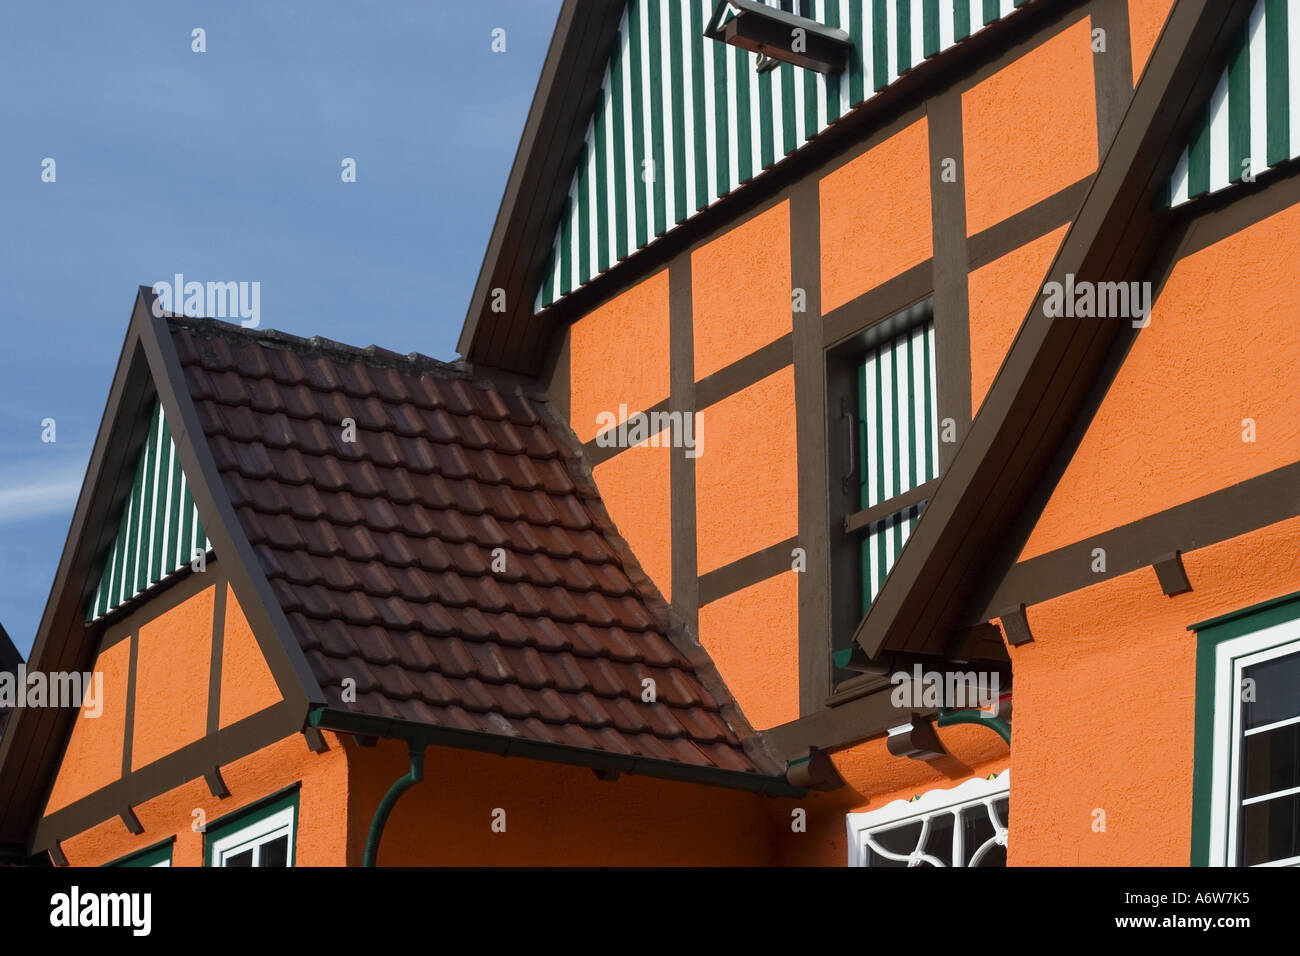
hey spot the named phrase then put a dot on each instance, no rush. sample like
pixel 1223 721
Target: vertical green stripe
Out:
pixel 700 105
pixel 721 104
pixel 880 429
pixel 186 527
pixel 677 70
pixel 1276 61
pixel 1198 154
pixel 548 284
pixel 789 128
pixel 200 536
pixel 832 83
pixel 913 406
pixel 766 148
pixel 990 11
pixel 960 19
pixel 811 80
pixel 566 247
pixel 930 22
pixel 744 135
pixel 158 567
pixel 1239 106
pixel 637 118
pixel 894 435
pixel 174 506
pixel 146 508
pixel 620 170
pixel 903 46
pixel 584 216
pixel 602 190
pixel 654 53
pixel 879 45
pixel 930 424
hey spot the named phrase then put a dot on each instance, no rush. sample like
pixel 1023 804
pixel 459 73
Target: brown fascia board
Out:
pixel 1052 362
pixel 538 185
pixel 148 366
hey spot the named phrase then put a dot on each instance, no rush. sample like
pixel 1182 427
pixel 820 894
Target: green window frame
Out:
pixel 158 855
pixel 1226 648
pixel 254 833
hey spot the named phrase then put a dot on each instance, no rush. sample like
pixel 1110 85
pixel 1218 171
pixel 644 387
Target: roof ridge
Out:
pixel 414 363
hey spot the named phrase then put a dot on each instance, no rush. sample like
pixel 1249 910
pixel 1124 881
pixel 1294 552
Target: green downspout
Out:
pixel 996 724
pixel 400 786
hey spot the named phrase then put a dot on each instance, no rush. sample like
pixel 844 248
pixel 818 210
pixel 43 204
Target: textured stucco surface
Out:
pixel 635 487
pixel 618 353
pixel 875 216
pixel 1221 348
pixel 246 682
pixel 1030 130
pixel 1105 706
pixel 753 637
pixel 1001 293
pixel 740 290
pixel 1145 20
pixel 746 477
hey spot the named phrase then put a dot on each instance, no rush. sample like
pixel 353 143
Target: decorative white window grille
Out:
pixel 964 826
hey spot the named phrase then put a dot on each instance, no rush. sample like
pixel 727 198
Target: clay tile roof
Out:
pixel 380 551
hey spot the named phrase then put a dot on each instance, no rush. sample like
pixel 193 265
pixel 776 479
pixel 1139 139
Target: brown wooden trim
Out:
pixel 1171 574
pixel 316 741
pixel 216 783
pixel 1024 227
pixel 860 520
pixel 1015 625
pixel 153 780
pixel 1053 361
pixel 741 374
pixel 950 275
pixel 748 571
pixel 1219 516
pixel 597 454
pixel 808 354
pixel 128 729
pixel 875 305
pixel 681 349
pixel 148 606
pixel 131 821
pixel 1112 71
pixel 1229 211
pixel 214 662
pixel 837 727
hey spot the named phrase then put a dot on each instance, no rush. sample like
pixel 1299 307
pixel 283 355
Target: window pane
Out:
pixel 899 840
pixel 1269 830
pixel 275 852
pixel 1270 761
pixel 243 858
pixel 1276 691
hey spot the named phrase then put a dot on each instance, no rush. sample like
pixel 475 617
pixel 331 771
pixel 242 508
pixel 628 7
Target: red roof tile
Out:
pixel 380 551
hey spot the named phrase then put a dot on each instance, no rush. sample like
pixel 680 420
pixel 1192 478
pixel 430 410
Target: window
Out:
pixel 1248 674
pixel 259 836
pixel 160 855
pixel 964 826
pixel 883 436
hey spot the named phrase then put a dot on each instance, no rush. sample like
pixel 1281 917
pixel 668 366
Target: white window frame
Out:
pixel 1231 657
pixel 252 836
pixel 978 791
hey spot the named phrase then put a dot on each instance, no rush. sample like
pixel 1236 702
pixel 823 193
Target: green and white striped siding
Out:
pixel 898 443
pixel 1252 120
pixel 697 110
pixel 159 530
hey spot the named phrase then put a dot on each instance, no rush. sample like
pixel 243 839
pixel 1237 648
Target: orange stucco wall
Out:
pixel 740 290
pixel 618 354
pixel 171 679
pixel 1105 705
pixel 875 216
pixel 1030 130
pixel 1221 348
pixel 554 814
pixel 746 476
pixel 635 488
pixel 246 682
pixel 1146 18
pixel 93 758
pixel 1001 293
pixel 322 808
pixel 753 637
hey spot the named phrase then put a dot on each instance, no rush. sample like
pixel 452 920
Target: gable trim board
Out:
pixel 1252 119
pixel 516 338
pixel 147 371
pixel 1052 362
pixel 698 110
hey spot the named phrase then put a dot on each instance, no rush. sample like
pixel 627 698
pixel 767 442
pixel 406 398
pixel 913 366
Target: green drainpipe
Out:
pixel 996 724
pixel 400 786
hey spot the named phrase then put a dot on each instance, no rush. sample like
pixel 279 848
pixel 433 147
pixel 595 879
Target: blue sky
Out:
pixel 225 165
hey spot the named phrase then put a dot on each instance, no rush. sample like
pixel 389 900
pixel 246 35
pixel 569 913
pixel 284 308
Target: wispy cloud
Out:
pixel 28 492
